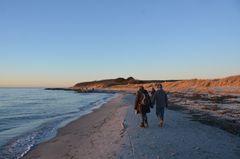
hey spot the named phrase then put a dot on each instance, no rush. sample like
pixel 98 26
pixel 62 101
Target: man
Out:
pixel 161 100
pixel 142 105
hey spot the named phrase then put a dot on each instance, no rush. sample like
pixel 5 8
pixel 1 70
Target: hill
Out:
pixel 227 85
pixel 108 83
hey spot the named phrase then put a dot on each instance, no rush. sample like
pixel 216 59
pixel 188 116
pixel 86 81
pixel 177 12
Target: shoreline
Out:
pixel 77 132
pixel 30 116
pixel 112 131
pixel 228 125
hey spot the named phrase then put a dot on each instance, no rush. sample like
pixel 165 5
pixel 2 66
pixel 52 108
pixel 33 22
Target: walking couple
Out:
pixel 144 102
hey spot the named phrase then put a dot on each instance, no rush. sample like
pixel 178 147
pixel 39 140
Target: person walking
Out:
pixel 142 105
pixel 161 100
pixel 153 91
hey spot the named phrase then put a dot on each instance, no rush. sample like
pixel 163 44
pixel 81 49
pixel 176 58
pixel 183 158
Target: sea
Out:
pixel 29 116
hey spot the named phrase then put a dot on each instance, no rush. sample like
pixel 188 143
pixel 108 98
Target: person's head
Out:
pixel 141 88
pixel 159 86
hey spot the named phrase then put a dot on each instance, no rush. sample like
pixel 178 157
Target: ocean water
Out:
pixel 31 116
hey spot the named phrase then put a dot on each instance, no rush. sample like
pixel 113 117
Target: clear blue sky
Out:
pixel 59 43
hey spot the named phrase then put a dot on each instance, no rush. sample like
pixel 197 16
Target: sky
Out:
pixel 62 42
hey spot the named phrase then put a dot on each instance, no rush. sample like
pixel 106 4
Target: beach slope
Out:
pixel 96 135
pixel 112 132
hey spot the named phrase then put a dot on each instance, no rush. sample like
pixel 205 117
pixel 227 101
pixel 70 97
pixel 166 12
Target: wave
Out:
pixel 19 146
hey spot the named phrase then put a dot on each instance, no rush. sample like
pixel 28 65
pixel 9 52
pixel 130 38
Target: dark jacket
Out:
pixel 153 92
pixel 161 100
pixel 139 107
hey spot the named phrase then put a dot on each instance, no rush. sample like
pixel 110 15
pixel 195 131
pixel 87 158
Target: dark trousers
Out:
pixel 144 118
pixel 160 113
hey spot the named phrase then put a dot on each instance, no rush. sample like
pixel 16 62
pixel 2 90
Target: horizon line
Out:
pixel 52 86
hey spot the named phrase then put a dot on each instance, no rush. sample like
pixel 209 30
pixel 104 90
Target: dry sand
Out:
pixel 181 138
pixel 103 134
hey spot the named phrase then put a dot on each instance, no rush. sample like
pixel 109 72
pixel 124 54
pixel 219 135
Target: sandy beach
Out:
pixel 112 132
pixel 78 77
pixel 96 135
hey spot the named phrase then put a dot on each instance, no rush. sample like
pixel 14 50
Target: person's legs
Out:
pixel 161 117
pixel 142 115
pixel 145 120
